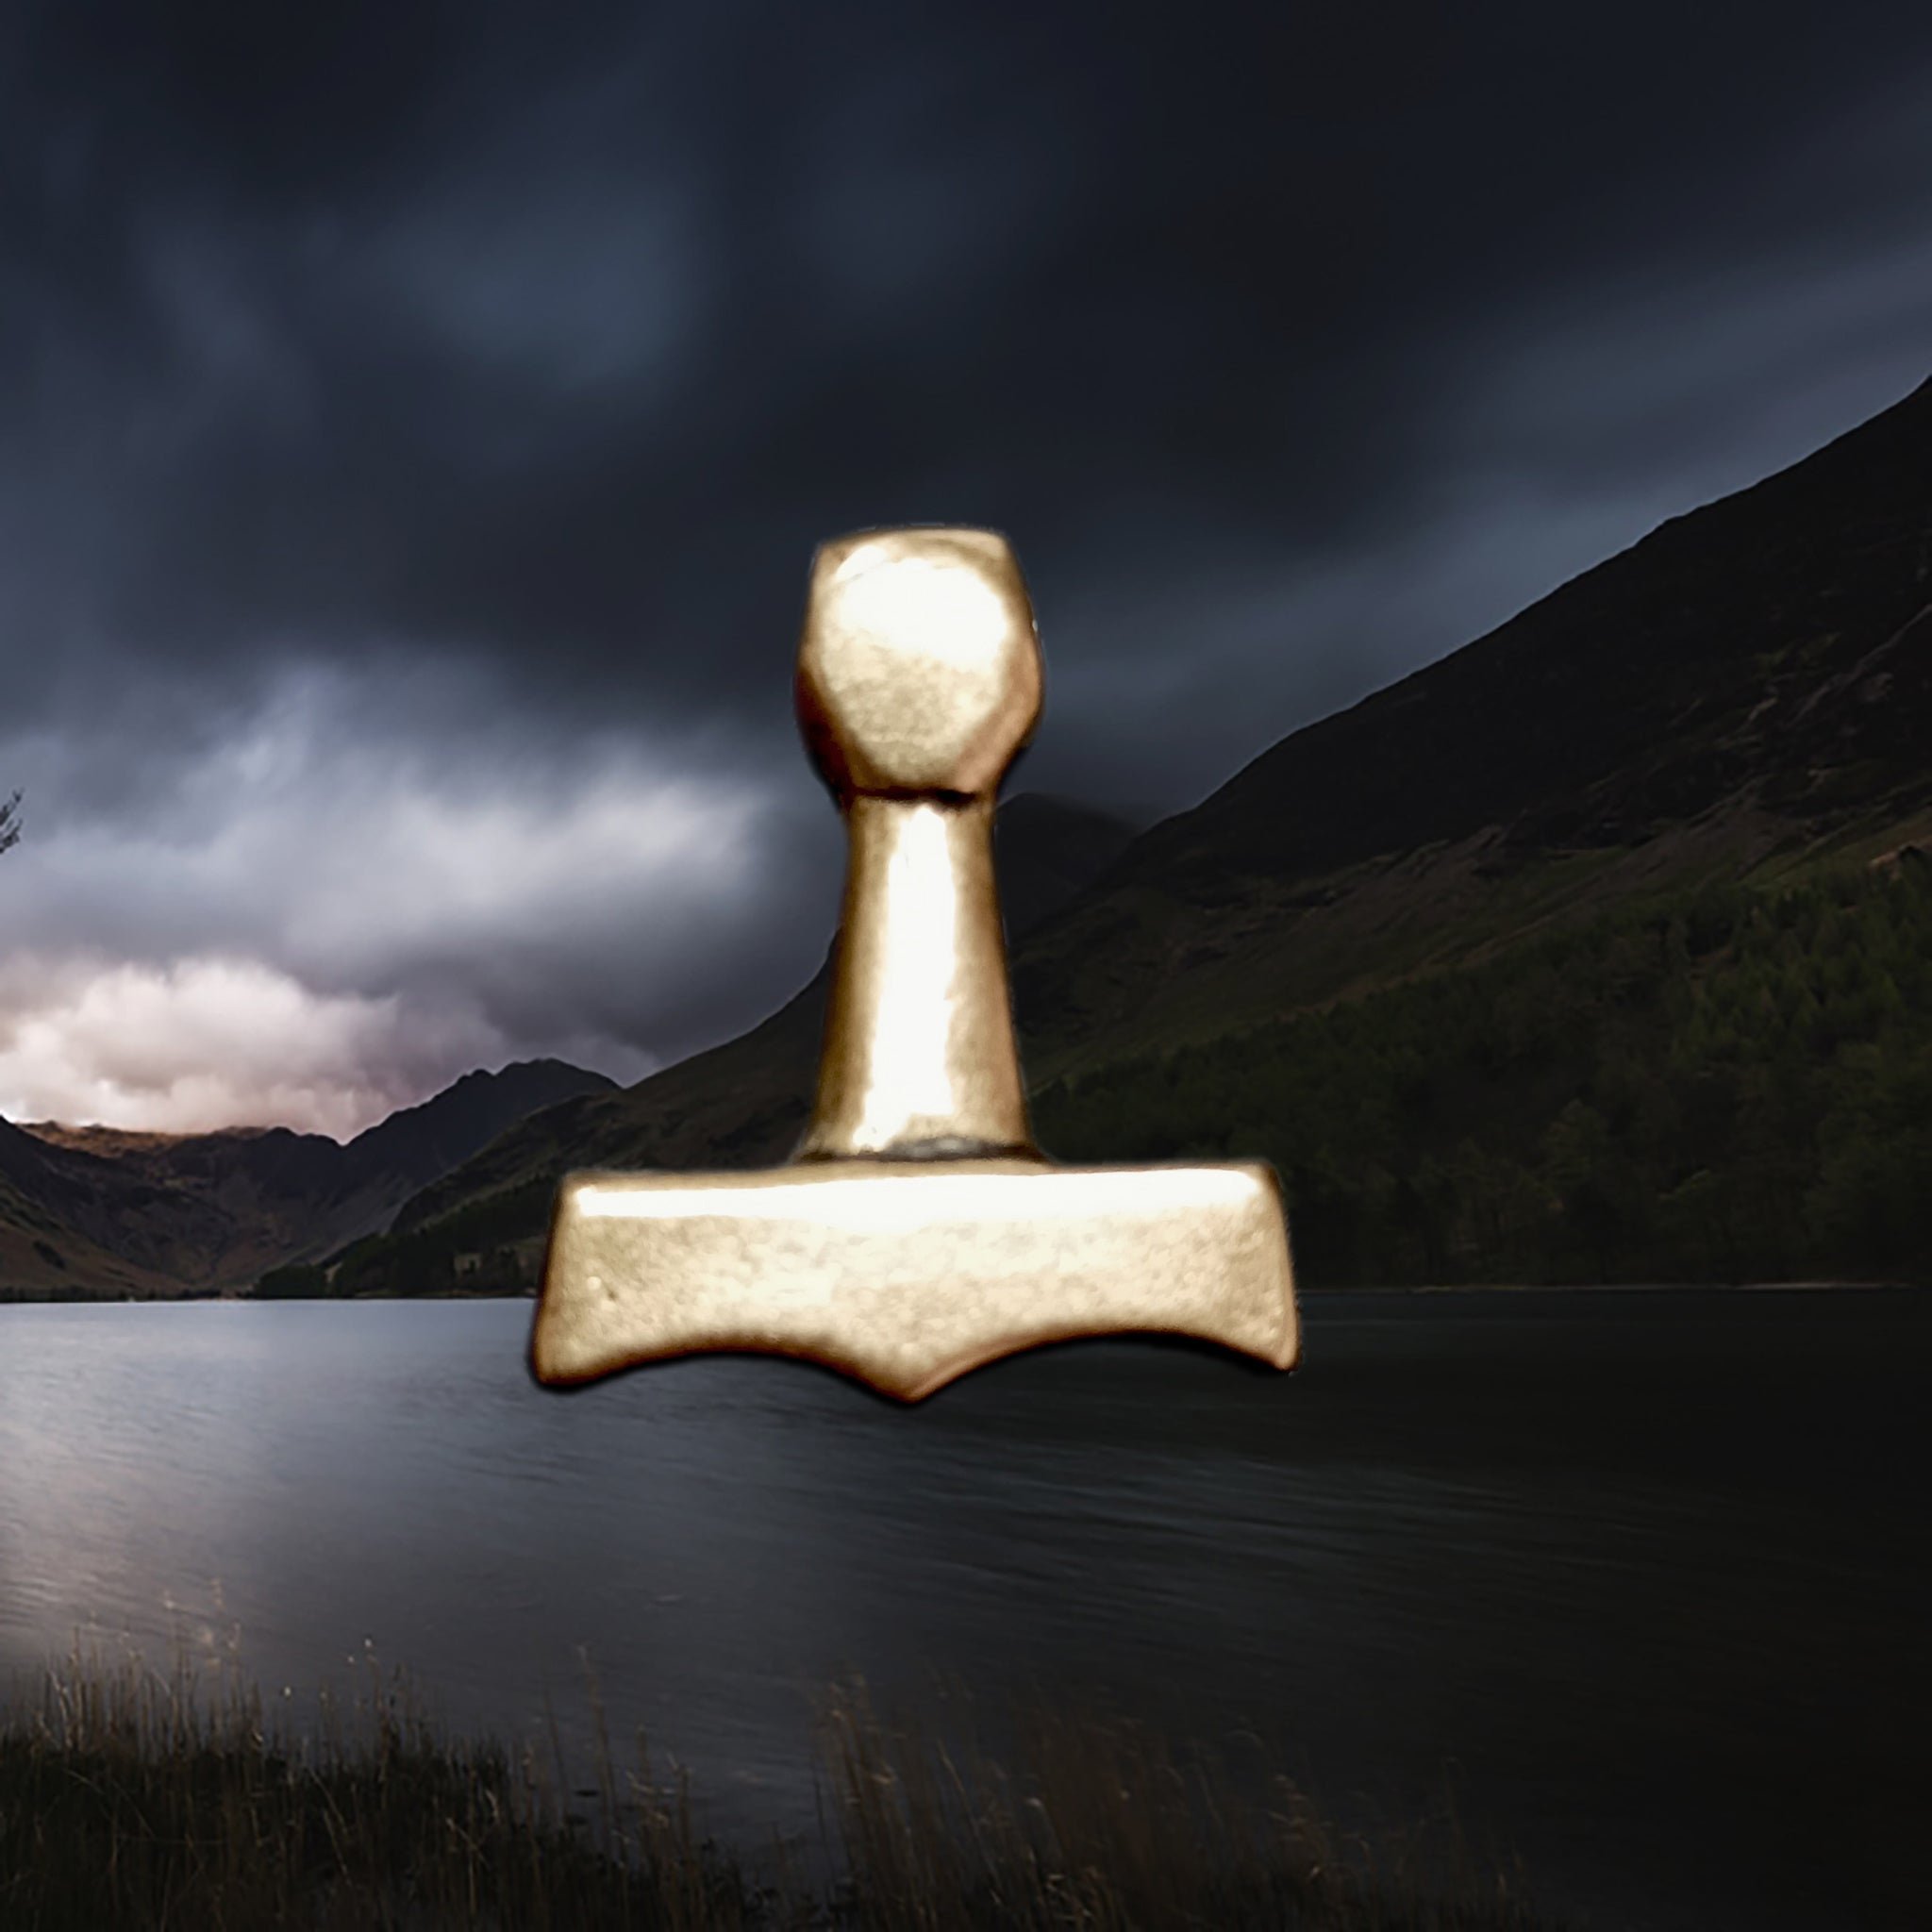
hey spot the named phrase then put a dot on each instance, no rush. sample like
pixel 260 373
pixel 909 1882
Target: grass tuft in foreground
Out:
pixel 133 1800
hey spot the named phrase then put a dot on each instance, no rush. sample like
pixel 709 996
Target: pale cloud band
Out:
pixel 322 918
pixel 209 1043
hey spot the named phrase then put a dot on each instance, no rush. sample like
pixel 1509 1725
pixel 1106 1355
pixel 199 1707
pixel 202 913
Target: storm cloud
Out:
pixel 415 422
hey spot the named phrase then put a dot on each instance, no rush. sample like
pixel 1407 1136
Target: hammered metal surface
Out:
pixel 919 1232
pixel 908 1275
pixel 919 1057
pixel 919 670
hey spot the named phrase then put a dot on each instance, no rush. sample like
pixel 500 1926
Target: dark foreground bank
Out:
pixel 132 1801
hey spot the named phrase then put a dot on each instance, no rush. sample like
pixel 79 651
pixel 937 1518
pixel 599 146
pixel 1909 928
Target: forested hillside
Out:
pixel 1726 1085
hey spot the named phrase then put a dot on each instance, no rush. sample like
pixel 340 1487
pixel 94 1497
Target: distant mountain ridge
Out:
pixel 1745 691
pixel 97 1207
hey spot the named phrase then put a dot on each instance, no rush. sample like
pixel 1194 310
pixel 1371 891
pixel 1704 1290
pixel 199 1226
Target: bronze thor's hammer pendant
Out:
pixel 918 1231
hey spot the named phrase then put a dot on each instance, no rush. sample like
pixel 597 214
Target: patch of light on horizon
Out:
pixel 210 1042
pixel 336 913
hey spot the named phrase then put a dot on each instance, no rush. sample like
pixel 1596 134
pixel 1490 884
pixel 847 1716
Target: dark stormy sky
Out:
pixel 415 423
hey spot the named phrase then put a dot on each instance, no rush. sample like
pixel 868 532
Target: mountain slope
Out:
pixel 1762 643
pixel 1752 680
pixel 154 1213
pixel 414 1146
pixel 50 1201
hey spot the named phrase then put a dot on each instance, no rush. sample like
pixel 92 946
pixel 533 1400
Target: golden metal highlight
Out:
pixel 918 1232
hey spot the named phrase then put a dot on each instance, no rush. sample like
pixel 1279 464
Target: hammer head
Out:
pixel 907 1274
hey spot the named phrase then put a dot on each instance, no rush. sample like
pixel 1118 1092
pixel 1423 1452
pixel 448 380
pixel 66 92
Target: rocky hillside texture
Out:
pixel 1743 699
pixel 91 1210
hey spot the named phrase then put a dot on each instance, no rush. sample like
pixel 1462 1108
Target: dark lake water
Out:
pixel 1648 1574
